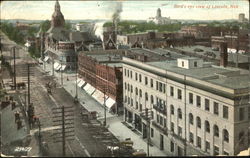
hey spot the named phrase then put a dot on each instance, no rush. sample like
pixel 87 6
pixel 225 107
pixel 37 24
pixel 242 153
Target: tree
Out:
pixel 45 25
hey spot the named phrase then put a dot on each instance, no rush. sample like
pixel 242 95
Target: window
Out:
pixel 191 119
pixel 160 87
pixel 172 126
pixel 198 141
pixel 216 150
pixel 132 103
pixel 131 74
pixel 198 101
pixel 191 137
pixel 165 122
pixel 216 108
pixel 207 146
pixel 146 96
pixel 157 119
pixel 128 87
pixel 139 77
pixel 152 99
pixel 179 114
pixel 128 100
pixel 195 64
pixel 182 63
pixel 225 112
pixel 225 135
pixel 171 91
pixel 140 93
pixel 136 91
pixel 171 146
pixel 128 72
pixel 198 122
pixel 146 81
pixel 172 109
pixel 164 88
pixel 125 72
pixel 206 104
pixel 136 76
pixel 140 107
pixel 152 132
pixel 190 98
pixel 157 85
pixel 131 89
pixel 179 94
pixel 125 85
pixel 179 131
pixel 241 138
pixel 216 131
pixel 125 99
pixel 207 126
pixel 151 83
pixel 161 120
pixel 241 115
pixel 136 106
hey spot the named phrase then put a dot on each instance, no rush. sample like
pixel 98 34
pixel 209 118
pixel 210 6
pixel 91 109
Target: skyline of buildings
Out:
pixel 208 10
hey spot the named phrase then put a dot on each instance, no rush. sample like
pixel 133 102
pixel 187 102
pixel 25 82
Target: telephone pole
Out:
pixel 63 117
pixel 14 57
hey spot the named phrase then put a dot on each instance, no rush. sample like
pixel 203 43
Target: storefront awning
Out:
pixel 110 103
pixel 46 59
pixel 81 83
pixel 99 96
pixel 63 67
pixel 56 65
pixel 90 90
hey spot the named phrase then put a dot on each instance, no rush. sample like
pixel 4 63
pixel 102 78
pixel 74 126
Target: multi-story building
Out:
pixel 195 108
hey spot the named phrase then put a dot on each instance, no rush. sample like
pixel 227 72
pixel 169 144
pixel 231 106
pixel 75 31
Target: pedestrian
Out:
pixel 17 116
pixel 19 124
pixel 67 79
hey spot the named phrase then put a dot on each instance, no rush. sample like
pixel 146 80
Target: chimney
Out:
pixel 223 54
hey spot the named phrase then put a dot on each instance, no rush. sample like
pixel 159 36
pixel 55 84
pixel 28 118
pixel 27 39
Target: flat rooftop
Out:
pixel 232 57
pixel 214 74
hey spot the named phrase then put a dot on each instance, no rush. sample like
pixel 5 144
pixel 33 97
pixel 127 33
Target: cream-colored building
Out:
pixel 195 108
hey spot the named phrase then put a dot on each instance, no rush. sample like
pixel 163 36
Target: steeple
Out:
pixel 57 16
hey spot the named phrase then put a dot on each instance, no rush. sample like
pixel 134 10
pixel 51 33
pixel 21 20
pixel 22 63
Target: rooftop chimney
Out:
pixel 223 54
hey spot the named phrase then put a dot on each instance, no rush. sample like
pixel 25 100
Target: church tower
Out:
pixel 57 17
pixel 158 15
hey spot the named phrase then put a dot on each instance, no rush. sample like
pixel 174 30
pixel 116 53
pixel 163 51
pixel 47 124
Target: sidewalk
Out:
pixel 114 122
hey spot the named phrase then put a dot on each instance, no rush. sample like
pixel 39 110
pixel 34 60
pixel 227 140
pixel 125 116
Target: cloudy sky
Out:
pixel 42 10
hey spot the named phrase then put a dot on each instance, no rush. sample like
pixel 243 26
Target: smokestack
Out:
pixel 223 54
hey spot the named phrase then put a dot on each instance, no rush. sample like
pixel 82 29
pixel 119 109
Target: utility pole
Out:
pixel 28 84
pixel 148 130
pixel 14 57
pixel 63 133
pixel 52 67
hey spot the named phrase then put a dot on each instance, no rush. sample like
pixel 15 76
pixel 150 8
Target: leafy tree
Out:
pixel 45 25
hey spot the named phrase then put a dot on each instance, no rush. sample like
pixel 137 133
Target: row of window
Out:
pixel 161 87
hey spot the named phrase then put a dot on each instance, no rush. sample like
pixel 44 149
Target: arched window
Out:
pixel 207 126
pixel 152 99
pixel 172 109
pixel 216 131
pixel 146 96
pixel 191 118
pixel 198 121
pixel 179 114
pixel 225 135
pixel 140 93
pixel 136 91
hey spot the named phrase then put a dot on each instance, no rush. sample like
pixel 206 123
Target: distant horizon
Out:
pixel 96 10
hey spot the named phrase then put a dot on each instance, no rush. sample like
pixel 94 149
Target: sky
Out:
pixel 134 10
